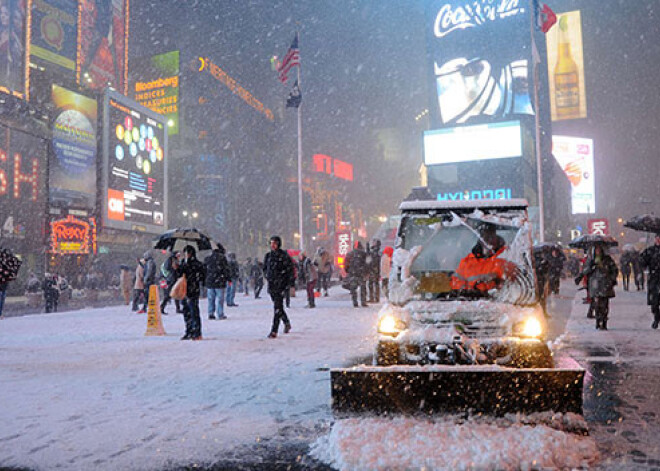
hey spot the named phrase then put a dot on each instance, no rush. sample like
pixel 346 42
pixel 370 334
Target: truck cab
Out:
pixel 462 288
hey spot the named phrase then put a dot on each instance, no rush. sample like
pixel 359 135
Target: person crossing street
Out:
pixel 650 258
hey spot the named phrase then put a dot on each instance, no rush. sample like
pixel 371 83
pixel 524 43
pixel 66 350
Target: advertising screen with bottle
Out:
pixel 135 166
pixel 479 60
pixel 576 157
pixel 566 68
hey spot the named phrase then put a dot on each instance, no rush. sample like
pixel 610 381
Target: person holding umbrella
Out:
pixel 195 274
pixel 9 266
pixel 650 258
pixel 602 273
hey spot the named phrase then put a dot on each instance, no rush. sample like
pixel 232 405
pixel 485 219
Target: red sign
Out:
pixel 336 167
pixel 72 236
pixel 599 226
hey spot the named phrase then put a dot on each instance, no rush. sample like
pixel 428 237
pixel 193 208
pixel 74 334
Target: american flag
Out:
pixel 291 59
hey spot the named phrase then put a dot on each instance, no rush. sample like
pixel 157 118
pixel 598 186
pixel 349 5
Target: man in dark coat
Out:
pixel 542 271
pixel 650 258
pixel 195 274
pixel 625 263
pixel 278 268
pixel 234 276
pixel 217 274
pixel 356 266
pixel 638 270
pixel 257 275
pixel 556 264
pixel 601 273
pixel 149 278
pixel 374 271
pixel 168 274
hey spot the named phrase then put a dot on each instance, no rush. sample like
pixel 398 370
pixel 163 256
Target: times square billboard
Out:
pixel 480 84
pixel 135 161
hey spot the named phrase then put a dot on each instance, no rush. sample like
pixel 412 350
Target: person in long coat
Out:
pixel 650 258
pixel 195 273
pixel 602 273
pixel 278 268
pixel 138 286
pixel 356 269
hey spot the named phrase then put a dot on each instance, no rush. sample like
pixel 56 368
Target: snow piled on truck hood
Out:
pixel 509 443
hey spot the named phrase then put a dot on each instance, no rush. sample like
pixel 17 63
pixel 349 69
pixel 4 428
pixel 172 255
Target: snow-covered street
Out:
pixel 86 389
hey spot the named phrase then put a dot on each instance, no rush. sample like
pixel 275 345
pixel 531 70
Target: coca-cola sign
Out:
pixel 473 13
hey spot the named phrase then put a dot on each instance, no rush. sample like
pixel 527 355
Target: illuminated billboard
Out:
pixel 576 157
pixel 479 60
pixel 338 168
pixel 73 164
pixel 156 86
pixel 566 68
pixel 55 35
pixel 103 44
pixel 14 70
pixel 472 143
pixel 135 164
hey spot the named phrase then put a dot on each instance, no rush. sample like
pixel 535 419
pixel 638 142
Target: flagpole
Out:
pixel 537 125
pixel 301 239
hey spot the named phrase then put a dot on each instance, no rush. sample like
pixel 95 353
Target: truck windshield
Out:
pixel 469 256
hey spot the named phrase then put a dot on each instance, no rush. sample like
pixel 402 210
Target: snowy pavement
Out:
pixel 87 389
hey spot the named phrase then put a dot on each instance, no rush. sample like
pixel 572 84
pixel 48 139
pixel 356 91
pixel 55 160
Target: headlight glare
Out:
pixel 531 328
pixel 390 325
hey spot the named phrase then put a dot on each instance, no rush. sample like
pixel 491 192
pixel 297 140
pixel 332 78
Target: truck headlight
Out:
pixel 390 325
pixel 530 327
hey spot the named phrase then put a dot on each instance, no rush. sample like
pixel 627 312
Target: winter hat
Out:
pixel 388 251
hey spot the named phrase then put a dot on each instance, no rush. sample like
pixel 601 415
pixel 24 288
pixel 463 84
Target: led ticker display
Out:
pixel 135 166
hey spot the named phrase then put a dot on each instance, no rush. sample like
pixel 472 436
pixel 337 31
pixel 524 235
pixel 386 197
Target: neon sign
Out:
pixel 473 14
pixel 497 194
pixel 235 87
pixel 31 178
pixel 72 236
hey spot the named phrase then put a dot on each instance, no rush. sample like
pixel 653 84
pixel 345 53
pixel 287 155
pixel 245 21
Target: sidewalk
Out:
pixel 622 384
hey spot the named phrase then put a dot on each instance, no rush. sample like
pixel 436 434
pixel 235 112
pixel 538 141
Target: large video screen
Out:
pixel 135 166
pixel 54 35
pixel 13 70
pixel 566 68
pixel 102 50
pixel 471 143
pixel 73 163
pixel 575 155
pixel 479 60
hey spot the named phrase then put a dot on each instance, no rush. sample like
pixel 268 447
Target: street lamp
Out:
pixel 190 215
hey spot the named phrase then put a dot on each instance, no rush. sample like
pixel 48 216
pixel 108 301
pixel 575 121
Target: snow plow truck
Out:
pixel 462 329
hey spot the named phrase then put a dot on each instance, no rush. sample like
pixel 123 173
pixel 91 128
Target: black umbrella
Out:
pixel 546 246
pixel 167 240
pixel 9 266
pixel 644 223
pixel 587 240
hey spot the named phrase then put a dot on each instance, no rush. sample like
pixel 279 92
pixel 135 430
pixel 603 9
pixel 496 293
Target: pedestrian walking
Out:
pixel 149 278
pixel 234 276
pixel 138 284
pixel 195 274
pixel 245 276
pixel 125 283
pixel 556 261
pixel 51 293
pixel 323 262
pixel 650 259
pixel 310 277
pixel 385 269
pixel 279 271
pixel 168 276
pixel 542 271
pixel 217 275
pixel 637 270
pixel 625 264
pixel 356 270
pixel 257 275
pixel 602 273
pixel 373 264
